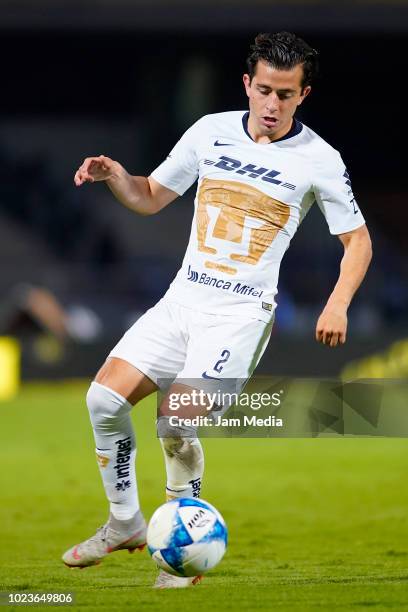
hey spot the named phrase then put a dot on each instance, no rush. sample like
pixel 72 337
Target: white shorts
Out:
pixel 171 341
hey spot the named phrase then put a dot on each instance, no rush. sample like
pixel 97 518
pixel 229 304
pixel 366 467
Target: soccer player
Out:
pixel 259 172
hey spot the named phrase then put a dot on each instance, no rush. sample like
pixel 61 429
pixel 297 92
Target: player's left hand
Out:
pixel 331 326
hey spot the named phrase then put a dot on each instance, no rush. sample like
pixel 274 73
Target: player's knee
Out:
pixel 105 405
pixel 178 434
pixel 174 446
pixel 180 441
pixel 174 439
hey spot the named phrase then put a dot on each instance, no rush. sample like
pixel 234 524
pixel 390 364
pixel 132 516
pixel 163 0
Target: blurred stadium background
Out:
pixel 126 78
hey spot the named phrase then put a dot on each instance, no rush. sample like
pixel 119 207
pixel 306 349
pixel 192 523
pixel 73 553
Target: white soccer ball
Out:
pixel 187 536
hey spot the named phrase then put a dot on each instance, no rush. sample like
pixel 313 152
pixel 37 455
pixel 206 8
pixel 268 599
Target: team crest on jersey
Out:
pixel 237 221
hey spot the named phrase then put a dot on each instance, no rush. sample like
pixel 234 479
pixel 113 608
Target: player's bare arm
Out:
pixel 140 194
pixel 331 326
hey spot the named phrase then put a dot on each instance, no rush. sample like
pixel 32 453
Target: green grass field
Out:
pixel 314 524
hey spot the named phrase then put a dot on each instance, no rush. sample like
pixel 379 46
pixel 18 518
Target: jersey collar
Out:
pixel 296 128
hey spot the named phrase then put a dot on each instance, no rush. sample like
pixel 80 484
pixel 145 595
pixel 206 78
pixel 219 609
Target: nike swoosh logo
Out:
pixel 222 144
pixel 205 375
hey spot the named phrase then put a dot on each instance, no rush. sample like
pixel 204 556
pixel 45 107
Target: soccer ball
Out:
pixel 187 537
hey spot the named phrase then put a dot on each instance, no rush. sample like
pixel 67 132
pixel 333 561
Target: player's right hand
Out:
pixel 94 169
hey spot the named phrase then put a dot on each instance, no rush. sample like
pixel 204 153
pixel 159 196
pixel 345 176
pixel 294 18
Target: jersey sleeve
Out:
pixel 334 195
pixel 180 170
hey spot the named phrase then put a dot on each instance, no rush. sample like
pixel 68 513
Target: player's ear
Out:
pixel 247 83
pixel 306 91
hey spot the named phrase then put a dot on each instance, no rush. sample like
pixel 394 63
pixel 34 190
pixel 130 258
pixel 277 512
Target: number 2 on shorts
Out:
pixel 225 355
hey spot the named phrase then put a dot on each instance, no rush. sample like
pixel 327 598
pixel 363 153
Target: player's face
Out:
pixel 274 96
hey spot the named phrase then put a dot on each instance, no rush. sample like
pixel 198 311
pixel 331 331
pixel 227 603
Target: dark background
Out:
pixel 126 79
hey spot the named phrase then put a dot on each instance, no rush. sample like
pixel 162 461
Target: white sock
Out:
pixel 115 448
pixel 184 459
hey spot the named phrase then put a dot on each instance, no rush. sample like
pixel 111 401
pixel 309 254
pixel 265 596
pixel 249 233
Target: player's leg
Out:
pixel 147 352
pixel 222 353
pixel 117 387
pixel 184 461
pixel 182 450
pixel 110 397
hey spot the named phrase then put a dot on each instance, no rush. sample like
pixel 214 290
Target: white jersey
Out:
pixel 249 203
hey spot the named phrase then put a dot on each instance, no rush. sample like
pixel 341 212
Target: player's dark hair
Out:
pixel 284 51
